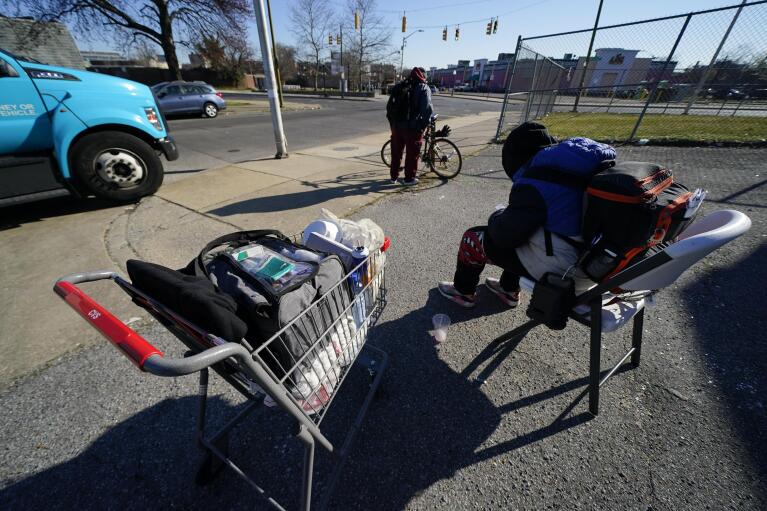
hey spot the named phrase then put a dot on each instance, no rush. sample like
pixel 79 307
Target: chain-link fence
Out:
pixel 688 78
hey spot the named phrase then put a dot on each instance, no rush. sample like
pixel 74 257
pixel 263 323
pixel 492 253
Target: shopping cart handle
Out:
pixel 133 346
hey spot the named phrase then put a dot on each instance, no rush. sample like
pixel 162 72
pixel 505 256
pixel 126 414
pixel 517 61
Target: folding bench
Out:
pixel 603 312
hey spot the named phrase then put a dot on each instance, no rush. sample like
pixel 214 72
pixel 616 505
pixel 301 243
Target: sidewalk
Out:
pixel 170 227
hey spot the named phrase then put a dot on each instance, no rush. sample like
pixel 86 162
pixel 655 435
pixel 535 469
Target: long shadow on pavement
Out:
pixel 430 423
pixel 16 216
pixel 731 337
pixel 321 191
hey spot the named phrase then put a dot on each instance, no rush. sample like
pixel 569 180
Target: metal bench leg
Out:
pixel 636 338
pixel 306 491
pixel 595 352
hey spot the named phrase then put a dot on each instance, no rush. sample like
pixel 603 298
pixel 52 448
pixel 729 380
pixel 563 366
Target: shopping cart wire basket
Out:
pixel 335 329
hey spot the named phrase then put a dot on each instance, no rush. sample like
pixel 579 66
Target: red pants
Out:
pixel 402 139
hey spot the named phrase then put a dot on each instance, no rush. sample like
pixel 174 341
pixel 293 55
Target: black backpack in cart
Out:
pixel 267 304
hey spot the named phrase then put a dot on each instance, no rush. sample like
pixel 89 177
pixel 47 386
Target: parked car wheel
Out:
pixel 210 110
pixel 116 166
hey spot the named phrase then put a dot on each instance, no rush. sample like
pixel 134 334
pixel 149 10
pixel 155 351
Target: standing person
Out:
pixel 409 111
pixel 539 230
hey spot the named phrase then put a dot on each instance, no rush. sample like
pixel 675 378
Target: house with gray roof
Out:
pixel 47 42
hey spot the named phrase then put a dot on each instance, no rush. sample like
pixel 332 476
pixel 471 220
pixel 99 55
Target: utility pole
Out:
pixel 402 50
pixel 588 56
pixel 274 45
pixel 266 56
pixel 341 82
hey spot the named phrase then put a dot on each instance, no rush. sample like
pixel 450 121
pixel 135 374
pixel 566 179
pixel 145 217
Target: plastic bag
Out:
pixel 364 233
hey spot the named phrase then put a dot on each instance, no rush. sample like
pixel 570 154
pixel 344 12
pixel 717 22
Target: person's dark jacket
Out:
pixel 421 108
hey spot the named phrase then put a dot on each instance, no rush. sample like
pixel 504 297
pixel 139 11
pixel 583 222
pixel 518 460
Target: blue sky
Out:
pixel 537 17
pixel 532 17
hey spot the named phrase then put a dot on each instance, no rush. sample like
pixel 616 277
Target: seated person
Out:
pixel 539 230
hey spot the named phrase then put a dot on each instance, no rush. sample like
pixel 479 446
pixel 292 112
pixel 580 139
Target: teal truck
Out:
pixel 67 130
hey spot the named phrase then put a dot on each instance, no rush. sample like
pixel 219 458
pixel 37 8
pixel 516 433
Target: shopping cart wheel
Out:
pixel 211 464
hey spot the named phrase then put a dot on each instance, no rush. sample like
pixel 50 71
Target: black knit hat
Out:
pixel 522 143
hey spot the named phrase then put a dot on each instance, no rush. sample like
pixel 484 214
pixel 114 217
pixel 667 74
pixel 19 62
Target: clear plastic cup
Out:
pixel 441 322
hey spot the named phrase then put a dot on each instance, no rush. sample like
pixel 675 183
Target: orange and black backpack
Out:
pixel 630 209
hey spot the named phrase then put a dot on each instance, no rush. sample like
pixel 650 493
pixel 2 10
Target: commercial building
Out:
pixel 482 74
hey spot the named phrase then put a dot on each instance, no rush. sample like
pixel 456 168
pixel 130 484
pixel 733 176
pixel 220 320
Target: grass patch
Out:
pixel 659 128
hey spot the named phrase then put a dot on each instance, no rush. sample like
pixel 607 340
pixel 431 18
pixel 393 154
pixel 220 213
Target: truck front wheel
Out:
pixel 117 166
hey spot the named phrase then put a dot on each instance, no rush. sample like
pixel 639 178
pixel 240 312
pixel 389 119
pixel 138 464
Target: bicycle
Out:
pixel 440 154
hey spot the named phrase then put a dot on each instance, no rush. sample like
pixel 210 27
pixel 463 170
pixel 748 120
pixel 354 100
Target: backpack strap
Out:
pixel 577 245
pixel 240 236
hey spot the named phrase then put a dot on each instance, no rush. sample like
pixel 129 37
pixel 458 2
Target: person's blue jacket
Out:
pixel 536 202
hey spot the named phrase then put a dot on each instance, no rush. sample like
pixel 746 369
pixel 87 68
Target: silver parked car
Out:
pixel 189 98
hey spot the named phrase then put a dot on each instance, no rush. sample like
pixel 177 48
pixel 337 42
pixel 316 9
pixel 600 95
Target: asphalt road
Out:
pixel 685 430
pixel 209 143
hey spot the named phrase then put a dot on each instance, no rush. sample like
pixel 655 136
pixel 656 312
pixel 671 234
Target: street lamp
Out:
pixel 402 55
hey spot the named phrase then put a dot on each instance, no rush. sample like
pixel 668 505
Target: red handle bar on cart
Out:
pixel 133 346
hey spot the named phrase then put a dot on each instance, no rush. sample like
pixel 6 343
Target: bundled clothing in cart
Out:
pixel 539 230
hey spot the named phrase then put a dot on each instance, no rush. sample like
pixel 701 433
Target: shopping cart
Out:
pixel 336 326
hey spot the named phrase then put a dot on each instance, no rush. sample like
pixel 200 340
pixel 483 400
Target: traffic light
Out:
pixel 404 23
pixel 457 33
pixel 330 39
pixel 356 20
pixel 338 39
pixel 444 34
pixel 495 26
pixel 489 29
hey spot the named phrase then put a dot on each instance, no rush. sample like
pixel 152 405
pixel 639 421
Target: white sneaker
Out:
pixel 448 290
pixel 510 299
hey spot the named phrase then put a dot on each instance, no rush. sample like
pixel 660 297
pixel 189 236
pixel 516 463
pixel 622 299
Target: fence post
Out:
pixel 711 64
pixel 546 86
pixel 588 56
pixel 530 96
pixel 662 72
pixel 509 79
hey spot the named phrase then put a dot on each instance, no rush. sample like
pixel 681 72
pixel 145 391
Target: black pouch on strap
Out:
pixel 553 297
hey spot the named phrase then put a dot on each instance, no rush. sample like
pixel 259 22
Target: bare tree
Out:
pixel 312 23
pixel 163 22
pixel 228 53
pixel 371 40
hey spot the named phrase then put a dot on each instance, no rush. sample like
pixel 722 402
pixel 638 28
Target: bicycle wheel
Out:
pixel 446 160
pixel 386 153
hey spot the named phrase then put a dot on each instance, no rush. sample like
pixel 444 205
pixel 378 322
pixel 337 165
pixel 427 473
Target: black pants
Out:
pixel 475 251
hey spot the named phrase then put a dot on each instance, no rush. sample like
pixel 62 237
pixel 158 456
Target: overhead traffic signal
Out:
pixel 338 39
pixel 489 29
pixel 495 26
pixel 330 39
pixel 457 33
pixel 444 34
pixel 356 20
pixel 404 23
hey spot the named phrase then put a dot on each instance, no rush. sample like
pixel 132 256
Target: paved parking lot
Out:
pixel 686 430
